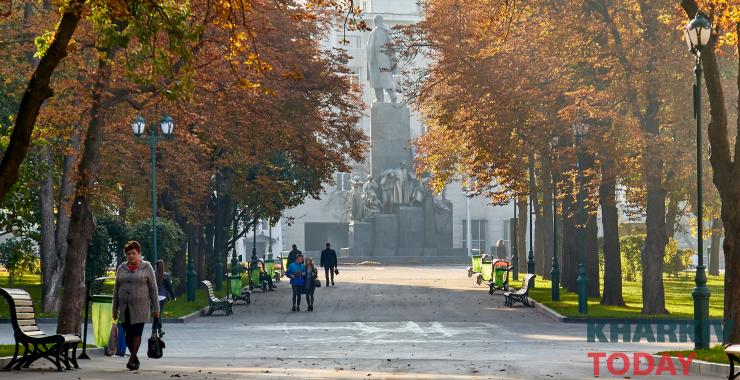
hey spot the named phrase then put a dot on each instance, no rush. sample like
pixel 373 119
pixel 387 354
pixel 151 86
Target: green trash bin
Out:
pixel 255 277
pixel 270 267
pixel 235 282
pixel 284 262
pixel 476 261
pixel 102 318
pixel 499 276
pixel 486 269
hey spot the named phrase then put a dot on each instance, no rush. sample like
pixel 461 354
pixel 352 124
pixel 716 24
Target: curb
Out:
pixel 561 318
pixel 700 367
pixel 92 351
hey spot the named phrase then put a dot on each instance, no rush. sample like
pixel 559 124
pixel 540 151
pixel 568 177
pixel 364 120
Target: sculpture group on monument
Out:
pixel 393 213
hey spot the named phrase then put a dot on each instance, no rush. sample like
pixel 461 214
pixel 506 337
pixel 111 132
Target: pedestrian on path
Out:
pixel 329 263
pixel 296 273
pixel 164 286
pixel 293 254
pixel 134 296
pixel 312 275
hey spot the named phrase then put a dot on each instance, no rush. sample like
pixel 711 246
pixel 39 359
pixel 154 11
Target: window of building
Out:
pixel 349 41
pixel 343 181
pixel 478 229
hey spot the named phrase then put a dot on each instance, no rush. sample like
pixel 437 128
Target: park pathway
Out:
pixel 378 322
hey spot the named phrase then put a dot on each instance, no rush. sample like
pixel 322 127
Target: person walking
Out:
pixel 134 297
pixel 329 263
pixel 312 275
pixel 296 272
pixel 293 254
pixel 164 286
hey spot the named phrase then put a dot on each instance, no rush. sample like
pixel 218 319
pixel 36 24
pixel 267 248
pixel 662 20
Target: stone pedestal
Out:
pixel 361 238
pixel 411 228
pixel 390 133
pixel 386 234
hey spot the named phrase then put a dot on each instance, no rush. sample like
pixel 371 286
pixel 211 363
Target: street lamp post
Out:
pixel 468 223
pixel 697 33
pixel 192 276
pixel 253 264
pixel 555 271
pixel 515 245
pixel 165 125
pixel 580 129
pixel 530 259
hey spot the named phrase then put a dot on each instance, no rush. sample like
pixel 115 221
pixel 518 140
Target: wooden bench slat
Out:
pixel 25 316
pixel 23 302
pixel 29 328
pixel 733 349
pixel 24 309
pixel 27 322
pixel 35 334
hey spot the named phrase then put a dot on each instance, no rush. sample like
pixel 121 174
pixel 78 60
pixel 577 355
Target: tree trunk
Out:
pixel 50 268
pixel 521 231
pixel 82 224
pixel 569 264
pixel 731 221
pixel 591 257
pixel 714 249
pixel 610 222
pixel 546 225
pixel 36 93
pixel 67 193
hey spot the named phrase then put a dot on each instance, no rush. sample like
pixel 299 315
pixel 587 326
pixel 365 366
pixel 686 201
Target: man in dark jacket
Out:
pixel 292 255
pixel 329 263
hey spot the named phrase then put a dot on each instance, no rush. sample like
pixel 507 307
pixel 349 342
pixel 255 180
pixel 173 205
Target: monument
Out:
pixel 393 212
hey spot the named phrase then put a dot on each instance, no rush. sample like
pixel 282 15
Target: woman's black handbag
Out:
pixel 316 283
pixel 156 344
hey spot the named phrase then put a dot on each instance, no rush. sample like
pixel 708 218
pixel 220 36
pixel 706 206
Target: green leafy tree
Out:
pixel 19 256
pixel 169 239
pixel 99 255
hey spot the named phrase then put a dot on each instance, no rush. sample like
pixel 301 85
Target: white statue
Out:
pixel 381 61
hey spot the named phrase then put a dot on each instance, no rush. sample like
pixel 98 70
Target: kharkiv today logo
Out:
pixel 649 331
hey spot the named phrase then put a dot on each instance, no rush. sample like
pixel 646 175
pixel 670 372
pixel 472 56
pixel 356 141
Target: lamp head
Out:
pixel 138 125
pixel 166 125
pixel 698 32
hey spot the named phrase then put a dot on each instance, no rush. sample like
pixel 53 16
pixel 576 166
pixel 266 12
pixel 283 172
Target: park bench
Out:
pixel 522 294
pixel 214 303
pixel 58 349
pixel 733 356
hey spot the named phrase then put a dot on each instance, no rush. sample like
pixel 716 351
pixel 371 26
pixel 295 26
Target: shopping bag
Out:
pixel 121 347
pixel 112 346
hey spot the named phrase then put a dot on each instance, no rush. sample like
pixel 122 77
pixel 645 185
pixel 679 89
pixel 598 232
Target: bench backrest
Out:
pixel 22 313
pixel 210 290
pixel 527 281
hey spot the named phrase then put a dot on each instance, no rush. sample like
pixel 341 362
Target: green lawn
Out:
pixel 677 296
pixel 715 354
pixel 174 309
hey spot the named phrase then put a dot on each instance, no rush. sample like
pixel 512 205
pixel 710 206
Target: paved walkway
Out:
pixel 378 322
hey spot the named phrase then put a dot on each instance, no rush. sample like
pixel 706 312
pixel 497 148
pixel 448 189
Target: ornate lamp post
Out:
pixel 555 271
pixel 468 223
pixel 530 259
pixel 579 130
pixel 697 33
pixel 165 125
pixel 192 276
